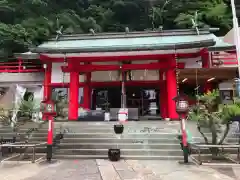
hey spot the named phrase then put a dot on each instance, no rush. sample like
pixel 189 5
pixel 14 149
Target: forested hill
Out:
pixel 25 23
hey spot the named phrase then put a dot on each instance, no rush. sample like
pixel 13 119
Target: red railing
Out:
pixel 18 66
pixel 223 58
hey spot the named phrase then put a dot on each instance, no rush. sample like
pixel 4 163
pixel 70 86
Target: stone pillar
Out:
pixel 47 91
pixel 73 94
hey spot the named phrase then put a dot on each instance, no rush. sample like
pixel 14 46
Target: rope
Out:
pixel 177 70
pixel 197 86
pixel 63 75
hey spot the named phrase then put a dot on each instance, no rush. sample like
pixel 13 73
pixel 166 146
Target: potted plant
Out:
pixel 118 128
pixel 114 154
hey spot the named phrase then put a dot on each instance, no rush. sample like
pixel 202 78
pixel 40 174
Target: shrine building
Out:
pixel 155 67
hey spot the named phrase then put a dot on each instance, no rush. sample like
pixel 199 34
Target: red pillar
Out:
pixel 205 64
pixel 171 88
pixel 47 81
pixel 87 90
pixel 207 87
pixel 205 59
pixel 73 94
pixel 162 96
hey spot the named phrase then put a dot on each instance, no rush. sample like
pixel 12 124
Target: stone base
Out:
pixel 169 119
pixel 189 163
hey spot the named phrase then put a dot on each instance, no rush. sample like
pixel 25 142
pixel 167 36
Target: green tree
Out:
pixel 27 23
pixel 210 114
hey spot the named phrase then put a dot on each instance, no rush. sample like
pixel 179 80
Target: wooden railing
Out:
pixel 224 58
pixel 18 66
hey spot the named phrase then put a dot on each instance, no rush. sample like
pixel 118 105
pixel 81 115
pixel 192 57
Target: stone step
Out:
pixel 36 134
pixel 134 157
pixel 82 125
pixel 111 135
pixel 135 152
pixel 135 129
pixel 144 151
pixel 93 140
pixel 228 139
pixel 116 145
pixel 22 131
pixel 111 123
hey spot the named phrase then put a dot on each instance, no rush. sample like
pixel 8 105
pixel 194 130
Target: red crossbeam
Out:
pixel 118 56
pixel 16 63
pixel 19 66
pixel 124 67
pixel 227 58
pixel 109 83
pixel 21 71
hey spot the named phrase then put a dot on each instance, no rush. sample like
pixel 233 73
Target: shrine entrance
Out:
pixel 142 98
pixel 145 99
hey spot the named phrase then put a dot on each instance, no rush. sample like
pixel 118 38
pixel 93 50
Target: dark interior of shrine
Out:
pixel 146 99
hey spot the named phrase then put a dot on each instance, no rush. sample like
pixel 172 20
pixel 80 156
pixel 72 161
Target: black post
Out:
pixel 185 154
pixel 184 138
pixel 49 152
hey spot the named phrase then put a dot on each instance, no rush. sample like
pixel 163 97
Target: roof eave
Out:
pixel 178 32
pixel 222 48
pixel 187 45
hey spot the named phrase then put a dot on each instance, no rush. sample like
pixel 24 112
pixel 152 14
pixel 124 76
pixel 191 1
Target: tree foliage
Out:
pixel 216 117
pixel 25 23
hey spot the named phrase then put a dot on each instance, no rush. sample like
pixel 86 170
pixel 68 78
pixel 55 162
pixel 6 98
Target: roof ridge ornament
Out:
pixel 59 31
pixel 127 30
pixel 195 22
pixel 92 31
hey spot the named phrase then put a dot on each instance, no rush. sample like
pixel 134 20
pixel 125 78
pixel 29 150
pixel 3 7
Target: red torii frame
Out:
pixel 166 64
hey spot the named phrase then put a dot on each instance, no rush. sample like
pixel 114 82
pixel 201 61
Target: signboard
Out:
pixel 226 96
pixel 90 115
pixel 123 114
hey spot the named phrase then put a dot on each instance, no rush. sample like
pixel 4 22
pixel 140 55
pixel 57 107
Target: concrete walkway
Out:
pixel 122 170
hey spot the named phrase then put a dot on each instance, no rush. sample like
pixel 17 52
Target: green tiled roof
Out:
pixel 220 45
pixel 165 40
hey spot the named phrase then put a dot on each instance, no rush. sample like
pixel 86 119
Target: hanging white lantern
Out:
pixel 145 73
pixel 110 75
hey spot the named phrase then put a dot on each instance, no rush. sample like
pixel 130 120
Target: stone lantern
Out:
pixel 49 112
pixel 48 108
pixel 182 105
pixel 182 108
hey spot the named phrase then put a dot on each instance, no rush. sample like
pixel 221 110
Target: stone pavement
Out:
pixel 122 170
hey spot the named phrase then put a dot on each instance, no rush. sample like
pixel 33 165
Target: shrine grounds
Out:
pixel 123 170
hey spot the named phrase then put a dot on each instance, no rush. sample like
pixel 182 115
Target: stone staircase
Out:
pixel 140 140
pixel 6 132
